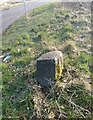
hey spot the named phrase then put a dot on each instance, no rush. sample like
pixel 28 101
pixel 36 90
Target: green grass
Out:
pixel 25 41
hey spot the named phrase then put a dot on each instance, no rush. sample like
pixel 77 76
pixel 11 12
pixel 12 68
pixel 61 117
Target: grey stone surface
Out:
pixel 51 55
pixel 46 68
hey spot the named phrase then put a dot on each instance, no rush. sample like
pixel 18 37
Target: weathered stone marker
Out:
pixel 49 68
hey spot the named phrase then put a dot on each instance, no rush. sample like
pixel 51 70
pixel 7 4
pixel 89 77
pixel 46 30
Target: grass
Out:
pixel 47 28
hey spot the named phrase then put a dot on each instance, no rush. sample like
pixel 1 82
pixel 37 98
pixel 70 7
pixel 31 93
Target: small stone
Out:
pixel 2 56
pixel 18 50
pixel 7 59
pixel 51 115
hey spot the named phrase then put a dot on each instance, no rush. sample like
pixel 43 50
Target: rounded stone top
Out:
pixel 50 55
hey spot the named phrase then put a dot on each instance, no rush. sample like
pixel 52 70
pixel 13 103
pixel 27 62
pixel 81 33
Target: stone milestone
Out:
pixel 49 68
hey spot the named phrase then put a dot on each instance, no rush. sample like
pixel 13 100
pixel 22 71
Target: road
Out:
pixel 11 15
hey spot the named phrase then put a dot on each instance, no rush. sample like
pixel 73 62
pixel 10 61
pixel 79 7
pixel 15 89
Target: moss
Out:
pixel 58 72
pixel 59 68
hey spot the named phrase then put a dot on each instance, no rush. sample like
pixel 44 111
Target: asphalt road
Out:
pixel 11 15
